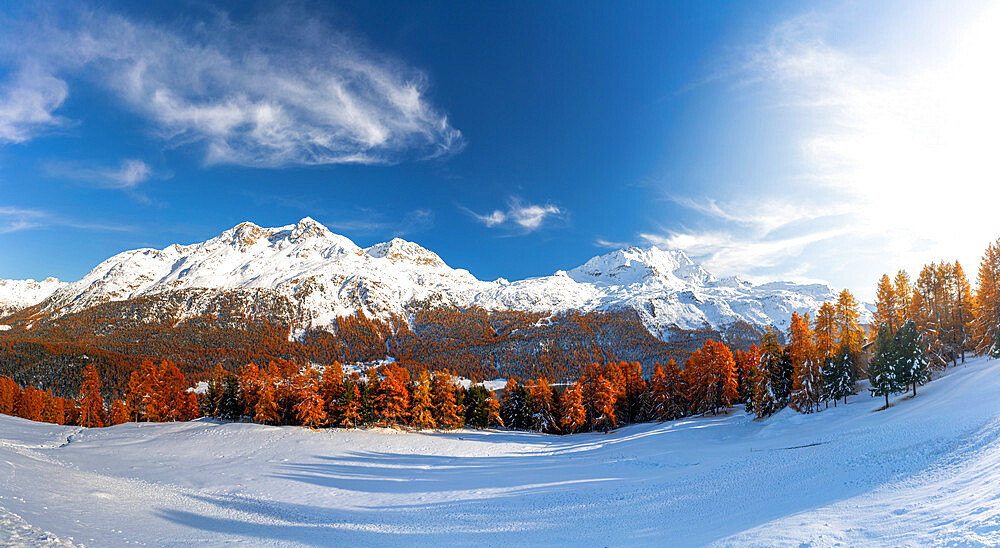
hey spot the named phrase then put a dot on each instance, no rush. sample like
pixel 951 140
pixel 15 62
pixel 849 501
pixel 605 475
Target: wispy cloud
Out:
pixel 608 244
pixel 15 219
pixel 908 148
pixel 520 216
pixel 126 176
pixel 28 101
pixel 896 162
pixel 285 90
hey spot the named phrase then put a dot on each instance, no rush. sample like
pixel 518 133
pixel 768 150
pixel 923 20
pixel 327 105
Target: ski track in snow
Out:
pixel 925 471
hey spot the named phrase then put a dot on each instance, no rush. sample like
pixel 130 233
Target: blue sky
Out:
pixel 776 140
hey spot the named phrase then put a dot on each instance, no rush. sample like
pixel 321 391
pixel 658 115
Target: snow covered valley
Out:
pixel 924 471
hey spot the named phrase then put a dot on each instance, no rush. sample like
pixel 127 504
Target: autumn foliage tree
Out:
pixel 92 413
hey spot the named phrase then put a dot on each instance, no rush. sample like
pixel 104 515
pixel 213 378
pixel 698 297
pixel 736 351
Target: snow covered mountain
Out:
pixel 324 275
pixel 18 294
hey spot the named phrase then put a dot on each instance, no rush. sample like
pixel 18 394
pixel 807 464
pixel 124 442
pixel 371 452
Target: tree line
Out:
pixel 917 325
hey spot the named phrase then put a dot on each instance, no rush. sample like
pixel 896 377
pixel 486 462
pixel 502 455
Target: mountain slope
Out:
pixel 325 276
pixel 18 294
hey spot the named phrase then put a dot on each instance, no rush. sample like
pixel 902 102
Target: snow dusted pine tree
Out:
pixel 910 364
pixel 838 375
pixel 765 401
pixel 881 368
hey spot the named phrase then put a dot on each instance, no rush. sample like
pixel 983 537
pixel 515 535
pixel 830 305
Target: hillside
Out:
pixel 920 472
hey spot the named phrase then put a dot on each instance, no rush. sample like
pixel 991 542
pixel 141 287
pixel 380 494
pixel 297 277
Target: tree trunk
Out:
pixel 914 389
pixel 886 400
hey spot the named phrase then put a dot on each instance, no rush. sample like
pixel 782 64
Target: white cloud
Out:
pixel 897 159
pixel 129 174
pixel 282 91
pixel 909 147
pixel 15 219
pixel 27 103
pixel 601 242
pixel 519 215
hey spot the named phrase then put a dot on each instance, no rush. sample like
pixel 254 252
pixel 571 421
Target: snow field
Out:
pixel 924 471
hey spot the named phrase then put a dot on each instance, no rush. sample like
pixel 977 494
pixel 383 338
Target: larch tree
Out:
pixel 604 405
pixel 765 400
pixel 333 383
pixel 573 416
pixel 91 404
pixel 903 289
pixel 807 382
pixel 393 396
pixel 963 311
pixel 986 325
pixel 447 412
pixel 847 317
pixel 422 407
pixel 119 412
pixel 886 305
pixel 825 330
pixel 266 410
pixel 310 409
pixel 544 411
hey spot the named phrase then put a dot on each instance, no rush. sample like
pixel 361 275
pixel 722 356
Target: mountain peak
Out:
pixel 398 249
pixel 307 228
pixel 635 264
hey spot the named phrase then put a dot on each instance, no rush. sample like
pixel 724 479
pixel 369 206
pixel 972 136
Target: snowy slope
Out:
pixel 17 294
pixel 925 471
pixel 326 275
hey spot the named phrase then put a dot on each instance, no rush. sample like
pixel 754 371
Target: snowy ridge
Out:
pixel 326 276
pixel 17 294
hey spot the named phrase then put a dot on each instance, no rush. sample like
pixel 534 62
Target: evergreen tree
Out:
pixel 366 411
pixel 349 405
pixel 477 408
pixel 838 375
pixel 910 364
pixel 882 367
pixel 515 406
pixel 765 400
